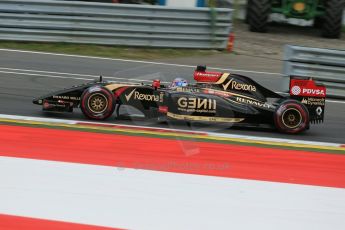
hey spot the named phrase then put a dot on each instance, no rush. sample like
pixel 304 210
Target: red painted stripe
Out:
pixel 8 222
pixel 160 154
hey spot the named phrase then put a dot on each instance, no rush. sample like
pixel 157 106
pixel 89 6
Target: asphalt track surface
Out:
pixel 25 75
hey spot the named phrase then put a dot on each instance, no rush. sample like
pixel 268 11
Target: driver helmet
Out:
pixel 179 82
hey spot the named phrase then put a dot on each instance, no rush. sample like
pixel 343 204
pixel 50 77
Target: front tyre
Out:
pixel 291 117
pixel 97 103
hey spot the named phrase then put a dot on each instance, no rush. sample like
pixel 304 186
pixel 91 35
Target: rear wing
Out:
pixel 311 94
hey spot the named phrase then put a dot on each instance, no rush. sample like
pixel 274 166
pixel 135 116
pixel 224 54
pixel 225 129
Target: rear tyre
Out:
pixel 332 20
pixel 291 117
pixel 97 103
pixel 258 14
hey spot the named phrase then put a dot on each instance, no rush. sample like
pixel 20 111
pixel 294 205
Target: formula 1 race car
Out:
pixel 214 98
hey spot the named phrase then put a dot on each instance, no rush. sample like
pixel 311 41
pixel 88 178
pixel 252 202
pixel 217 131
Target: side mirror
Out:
pixel 201 68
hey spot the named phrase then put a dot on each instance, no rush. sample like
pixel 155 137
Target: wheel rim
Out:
pixel 292 118
pixel 98 103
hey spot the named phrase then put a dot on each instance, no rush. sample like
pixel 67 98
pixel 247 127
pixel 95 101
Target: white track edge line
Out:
pixel 137 61
pixel 30 72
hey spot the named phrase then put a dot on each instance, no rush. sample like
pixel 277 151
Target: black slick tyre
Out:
pixel 97 103
pixel 333 18
pixel 291 117
pixel 258 15
pixel 246 19
pixel 318 22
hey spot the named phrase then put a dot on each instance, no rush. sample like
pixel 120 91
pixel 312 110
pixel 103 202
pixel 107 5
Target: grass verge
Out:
pixel 107 51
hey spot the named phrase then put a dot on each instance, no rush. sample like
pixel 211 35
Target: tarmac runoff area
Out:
pixel 98 176
pixel 39 73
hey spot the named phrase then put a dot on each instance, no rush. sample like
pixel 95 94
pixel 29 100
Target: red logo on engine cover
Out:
pixel 306 88
pixel 207 76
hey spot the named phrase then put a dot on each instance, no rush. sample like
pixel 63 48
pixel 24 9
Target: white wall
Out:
pixel 181 3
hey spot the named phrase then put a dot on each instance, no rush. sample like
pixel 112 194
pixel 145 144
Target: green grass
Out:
pixel 107 51
pixel 343 29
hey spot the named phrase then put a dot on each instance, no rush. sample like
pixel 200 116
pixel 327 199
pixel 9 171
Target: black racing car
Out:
pixel 215 97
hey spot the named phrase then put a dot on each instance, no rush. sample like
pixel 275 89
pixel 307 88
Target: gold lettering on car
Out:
pixel 142 97
pixel 161 97
pixel 193 104
pixel 205 118
pixel 202 102
pixel 67 98
pixel 252 102
pixel 185 89
pixel 239 86
pixel 182 102
pixel 313 101
pixel 129 95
